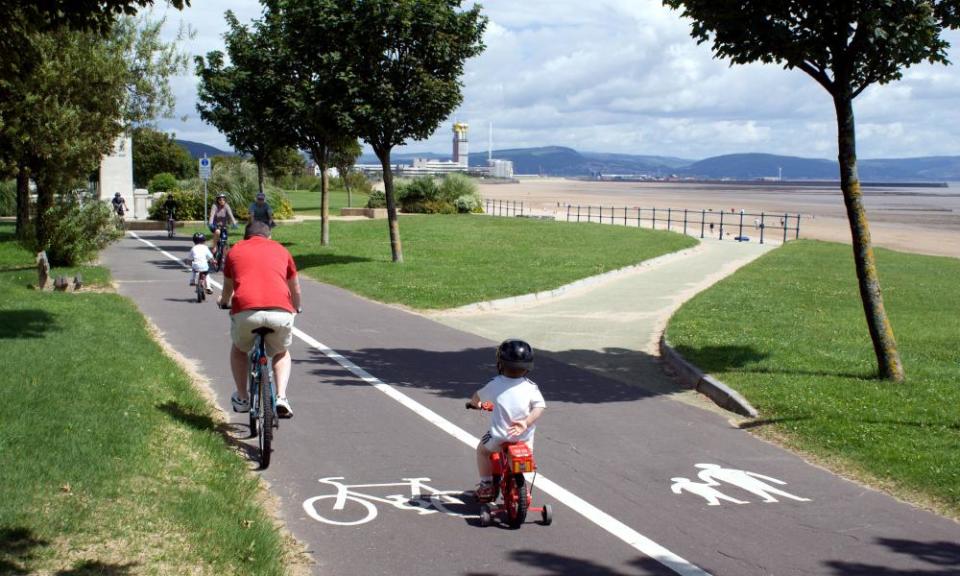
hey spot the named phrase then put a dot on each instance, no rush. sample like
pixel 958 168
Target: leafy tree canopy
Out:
pixel 844 45
pixel 156 152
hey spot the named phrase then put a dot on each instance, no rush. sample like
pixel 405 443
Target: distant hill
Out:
pixel 755 166
pixel 197 150
pixel 562 161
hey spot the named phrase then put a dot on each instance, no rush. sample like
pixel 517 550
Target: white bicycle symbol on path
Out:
pixel 422 498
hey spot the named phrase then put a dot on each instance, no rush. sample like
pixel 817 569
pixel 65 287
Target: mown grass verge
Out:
pixel 453 260
pixel 113 462
pixel 308 201
pixel 788 332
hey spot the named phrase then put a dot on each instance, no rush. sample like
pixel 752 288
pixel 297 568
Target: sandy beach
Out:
pixel 920 220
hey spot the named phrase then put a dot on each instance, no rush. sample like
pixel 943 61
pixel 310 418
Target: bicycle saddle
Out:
pixel 262 331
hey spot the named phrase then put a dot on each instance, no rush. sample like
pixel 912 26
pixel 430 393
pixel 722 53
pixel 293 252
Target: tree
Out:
pixel 241 99
pixel 155 152
pixel 845 46
pixel 58 122
pixel 286 161
pixel 343 159
pixel 318 93
pixel 404 59
pixel 69 113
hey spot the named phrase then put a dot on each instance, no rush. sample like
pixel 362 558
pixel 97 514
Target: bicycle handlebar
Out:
pixel 484 406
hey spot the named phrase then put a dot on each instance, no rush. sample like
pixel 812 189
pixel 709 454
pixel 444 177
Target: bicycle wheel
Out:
pixel 266 416
pixel 169 228
pixel 254 400
pixel 516 502
pixel 370 513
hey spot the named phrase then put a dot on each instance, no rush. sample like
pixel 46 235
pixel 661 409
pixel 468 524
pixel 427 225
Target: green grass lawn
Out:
pixel 308 202
pixel 459 259
pixel 113 462
pixel 788 332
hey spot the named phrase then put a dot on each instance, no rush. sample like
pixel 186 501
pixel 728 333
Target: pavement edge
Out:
pixel 692 377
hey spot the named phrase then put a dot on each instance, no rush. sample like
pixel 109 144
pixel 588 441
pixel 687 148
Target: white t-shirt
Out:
pixel 513 399
pixel 201 255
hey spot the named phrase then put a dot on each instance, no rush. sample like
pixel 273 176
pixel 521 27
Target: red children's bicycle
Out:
pixel 509 484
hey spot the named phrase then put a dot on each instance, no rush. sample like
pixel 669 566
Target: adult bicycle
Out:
pixel 220 256
pixel 262 395
pixel 171 223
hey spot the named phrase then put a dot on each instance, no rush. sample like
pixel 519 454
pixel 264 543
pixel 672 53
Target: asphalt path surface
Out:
pixel 378 397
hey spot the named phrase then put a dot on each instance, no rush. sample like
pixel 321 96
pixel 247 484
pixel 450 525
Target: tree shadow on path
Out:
pixel 459 373
pixel 936 559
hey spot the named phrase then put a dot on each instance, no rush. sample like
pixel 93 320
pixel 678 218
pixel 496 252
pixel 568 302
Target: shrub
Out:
pixel 77 232
pixel 189 206
pixel 468 203
pixel 8 198
pixel 377 199
pixel 455 185
pixel 162 182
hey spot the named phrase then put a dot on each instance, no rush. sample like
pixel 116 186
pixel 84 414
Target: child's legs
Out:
pixel 487 447
pixel 484 468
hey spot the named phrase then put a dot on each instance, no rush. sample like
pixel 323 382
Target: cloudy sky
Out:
pixel 625 76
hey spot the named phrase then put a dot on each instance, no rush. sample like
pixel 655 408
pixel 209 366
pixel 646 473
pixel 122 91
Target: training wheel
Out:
pixel 485 518
pixel 547 515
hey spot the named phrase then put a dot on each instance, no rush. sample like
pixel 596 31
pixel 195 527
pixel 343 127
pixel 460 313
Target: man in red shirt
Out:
pixel 261 287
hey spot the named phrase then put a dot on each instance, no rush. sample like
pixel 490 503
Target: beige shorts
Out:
pixel 243 323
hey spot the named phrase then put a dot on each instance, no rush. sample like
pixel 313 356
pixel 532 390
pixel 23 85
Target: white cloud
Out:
pixel 625 76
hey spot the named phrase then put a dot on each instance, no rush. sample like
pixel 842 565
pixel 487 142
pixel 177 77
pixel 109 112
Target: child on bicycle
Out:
pixel 517 404
pixel 200 259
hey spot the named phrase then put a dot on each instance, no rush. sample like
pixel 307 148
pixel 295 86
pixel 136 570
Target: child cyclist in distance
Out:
pixel 517 404
pixel 200 259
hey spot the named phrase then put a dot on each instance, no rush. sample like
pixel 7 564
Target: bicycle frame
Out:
pixel 262 421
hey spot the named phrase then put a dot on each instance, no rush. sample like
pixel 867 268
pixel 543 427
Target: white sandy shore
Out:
pixel 921 220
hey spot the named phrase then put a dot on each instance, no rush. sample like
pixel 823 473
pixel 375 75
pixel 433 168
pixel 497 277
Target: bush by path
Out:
pixel 788 332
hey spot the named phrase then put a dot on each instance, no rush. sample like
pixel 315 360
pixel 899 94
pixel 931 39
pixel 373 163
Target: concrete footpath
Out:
pixel 612 326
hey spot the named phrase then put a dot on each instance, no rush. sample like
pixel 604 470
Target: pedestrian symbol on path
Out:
pixel 714 475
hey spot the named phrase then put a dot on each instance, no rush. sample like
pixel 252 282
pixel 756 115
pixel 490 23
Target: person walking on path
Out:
pixel 262 289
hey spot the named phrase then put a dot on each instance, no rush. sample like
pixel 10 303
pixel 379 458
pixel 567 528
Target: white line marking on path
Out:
pixel 625 533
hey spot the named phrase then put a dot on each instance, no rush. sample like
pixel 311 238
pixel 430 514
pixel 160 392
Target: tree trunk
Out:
pixel 346 184
pixel 884 344
pixel 319 152
pixel 44 204
pixel 23 200
pixel 395 248
pixel 324 199
pixel 259 161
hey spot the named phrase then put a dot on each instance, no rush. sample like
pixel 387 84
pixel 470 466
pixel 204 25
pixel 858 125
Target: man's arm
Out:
pixel 293 283
pixel 227 294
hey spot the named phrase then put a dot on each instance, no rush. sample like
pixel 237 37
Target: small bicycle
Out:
pixel 201 286
pixel 509 483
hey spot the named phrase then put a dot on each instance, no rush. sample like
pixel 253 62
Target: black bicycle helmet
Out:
pixel 199 238
pixel 513 353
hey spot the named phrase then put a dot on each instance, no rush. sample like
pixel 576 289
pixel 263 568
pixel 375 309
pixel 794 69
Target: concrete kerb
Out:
pixel 692 377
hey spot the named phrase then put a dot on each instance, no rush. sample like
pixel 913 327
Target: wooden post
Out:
pixel 60 284
pixel 43 270
pixel 798 227
pixel 762 226
pixel 703 219
pixel 684 221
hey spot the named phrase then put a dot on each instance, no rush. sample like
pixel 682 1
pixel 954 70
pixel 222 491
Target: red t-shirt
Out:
pixel 260 269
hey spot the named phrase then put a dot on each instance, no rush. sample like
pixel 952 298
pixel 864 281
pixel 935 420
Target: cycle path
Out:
pixel 603 443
